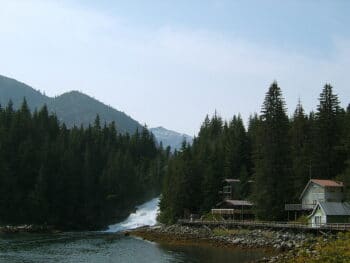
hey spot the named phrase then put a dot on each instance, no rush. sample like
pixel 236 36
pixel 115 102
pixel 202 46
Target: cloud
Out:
pixel 168 75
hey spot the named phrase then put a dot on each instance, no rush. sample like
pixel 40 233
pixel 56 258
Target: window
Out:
pixel 317 220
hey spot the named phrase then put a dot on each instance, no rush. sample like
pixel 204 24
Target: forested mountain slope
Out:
pixel 72 108
pixel 16 91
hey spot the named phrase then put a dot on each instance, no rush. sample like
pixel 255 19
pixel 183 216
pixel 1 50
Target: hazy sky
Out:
pixel 170 63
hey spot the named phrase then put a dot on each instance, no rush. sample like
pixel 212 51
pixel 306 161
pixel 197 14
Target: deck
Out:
pixel 267 224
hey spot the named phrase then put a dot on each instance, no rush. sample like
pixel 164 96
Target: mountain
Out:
pixel 76 108
pixel 72 108
pixel 16 91
pixel 170 138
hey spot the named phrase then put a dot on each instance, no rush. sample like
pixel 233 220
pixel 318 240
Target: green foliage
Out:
pixel 272 160
pixel 195 174
pixel 79 178
pixel 302 220
pixel 212 217
pixel 328 156
pixel 301 142
pixel 331 251
pixel 345 176
pixel 279 154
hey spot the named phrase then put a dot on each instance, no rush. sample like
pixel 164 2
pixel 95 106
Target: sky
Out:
pixel 170 63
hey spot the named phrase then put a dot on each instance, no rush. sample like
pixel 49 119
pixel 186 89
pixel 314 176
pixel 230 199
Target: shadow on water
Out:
pixel 101 247
pixel 104 247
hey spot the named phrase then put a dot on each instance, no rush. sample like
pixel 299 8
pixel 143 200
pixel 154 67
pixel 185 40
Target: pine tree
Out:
pixel 345 176
pixel 300 149
pixel 327 162
pixel 236 146
pixel 272 160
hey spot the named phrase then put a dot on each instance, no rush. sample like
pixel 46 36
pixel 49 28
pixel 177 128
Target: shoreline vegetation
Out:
pixel 280 246
pixel 270 160
pixel 73 179
pixel 55 178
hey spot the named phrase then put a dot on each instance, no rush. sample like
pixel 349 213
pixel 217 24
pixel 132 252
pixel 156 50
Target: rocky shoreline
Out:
pixel 280 244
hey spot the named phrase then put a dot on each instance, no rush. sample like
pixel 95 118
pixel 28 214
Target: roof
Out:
pixel 323 183
pixel 238 202
pixel 333 208
pixel 232 180
pixel 329 183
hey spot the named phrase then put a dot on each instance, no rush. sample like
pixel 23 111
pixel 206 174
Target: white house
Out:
pixel 330 212
pixel 318 190
pixel 319 193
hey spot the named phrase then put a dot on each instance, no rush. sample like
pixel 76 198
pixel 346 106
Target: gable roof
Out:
pixel 235 202
pixel 238 202
pixel 333 208
pixel 329 183
pixel 230 180
pixel 323 183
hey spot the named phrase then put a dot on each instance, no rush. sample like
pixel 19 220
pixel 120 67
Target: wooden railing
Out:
pixel 266 224
pixel 335 226
pixel 298 207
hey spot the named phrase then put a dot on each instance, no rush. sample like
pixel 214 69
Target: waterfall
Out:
pixel 145 215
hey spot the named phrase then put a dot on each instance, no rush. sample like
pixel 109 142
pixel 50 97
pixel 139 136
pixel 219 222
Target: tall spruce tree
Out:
pixel 327 162
pixel 345 176
pixel 300 150
pixel 235 144
pixel 272 158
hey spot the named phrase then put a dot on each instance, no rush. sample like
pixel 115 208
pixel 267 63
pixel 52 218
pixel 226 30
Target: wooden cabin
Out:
pixel 231 206
pixel 234 209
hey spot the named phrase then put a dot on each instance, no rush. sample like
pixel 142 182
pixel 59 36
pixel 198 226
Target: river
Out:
pixel 111 246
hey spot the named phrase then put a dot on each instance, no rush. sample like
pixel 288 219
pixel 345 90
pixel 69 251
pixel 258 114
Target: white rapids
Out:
pixel 145 215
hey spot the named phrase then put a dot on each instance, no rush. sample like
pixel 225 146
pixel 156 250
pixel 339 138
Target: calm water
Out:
pixel 104 247
pixel 98 247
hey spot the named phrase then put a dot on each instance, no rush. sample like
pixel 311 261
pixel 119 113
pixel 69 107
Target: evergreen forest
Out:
pixel 277 152
pixel 77 178
pixel 88 177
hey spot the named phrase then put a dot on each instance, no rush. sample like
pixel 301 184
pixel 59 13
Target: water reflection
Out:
pixel 101 248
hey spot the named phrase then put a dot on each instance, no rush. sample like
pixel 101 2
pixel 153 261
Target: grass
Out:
pixel 226 232
pixel 322 251
pixel 212 217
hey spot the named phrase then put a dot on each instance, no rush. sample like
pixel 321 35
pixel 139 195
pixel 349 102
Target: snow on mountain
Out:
pixel 170 138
